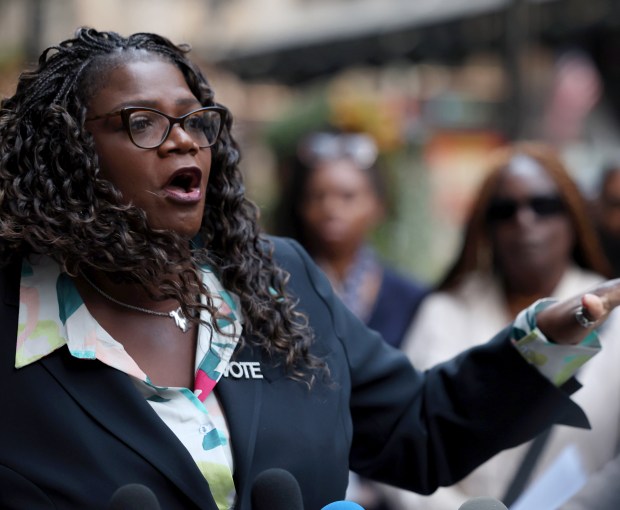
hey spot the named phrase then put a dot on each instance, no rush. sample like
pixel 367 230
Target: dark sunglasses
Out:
pixel 543 205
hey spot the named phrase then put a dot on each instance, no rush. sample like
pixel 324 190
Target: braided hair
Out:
pixel 54 203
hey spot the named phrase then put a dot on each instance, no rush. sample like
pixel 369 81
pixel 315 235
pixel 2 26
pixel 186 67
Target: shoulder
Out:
pixel 289 255
pixel 475 297
pixel 305 276
pixel 328 316
pixel 584 276
pixel 283 249
pixel 576 279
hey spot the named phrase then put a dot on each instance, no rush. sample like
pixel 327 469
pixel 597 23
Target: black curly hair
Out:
pixel 53 201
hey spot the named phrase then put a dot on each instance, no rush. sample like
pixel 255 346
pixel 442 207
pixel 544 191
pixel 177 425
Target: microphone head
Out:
pixel 343 505
pixel 276 489
pixel 134 496
pixel 483 503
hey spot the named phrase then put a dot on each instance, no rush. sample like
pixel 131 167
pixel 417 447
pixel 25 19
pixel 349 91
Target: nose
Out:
pixel 330 205
pixel 179 140
pixel 525 215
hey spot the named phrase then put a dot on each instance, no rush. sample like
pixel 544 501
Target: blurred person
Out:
pixel 528 236
pixel 607 207
pixel 336 198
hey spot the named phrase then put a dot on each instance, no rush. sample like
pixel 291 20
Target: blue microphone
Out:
pixel 343 505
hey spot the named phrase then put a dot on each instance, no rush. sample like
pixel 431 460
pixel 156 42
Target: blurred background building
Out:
pixel 437 83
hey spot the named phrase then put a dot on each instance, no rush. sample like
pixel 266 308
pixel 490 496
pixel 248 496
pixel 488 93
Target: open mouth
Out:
pixel 184 180
pixel 183 187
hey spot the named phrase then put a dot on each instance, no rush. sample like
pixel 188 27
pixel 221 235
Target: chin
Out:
pixel 185 230
pixel 188 234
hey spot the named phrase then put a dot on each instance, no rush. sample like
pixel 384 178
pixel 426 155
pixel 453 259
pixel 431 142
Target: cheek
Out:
pixel 364 218
pixel 116 173
pixel 312 216
pixel 499 239
pixel 206 162
pixel 110 165
pixel 106 169
pixel 612 218
pixel 372 210
pixel 314 205
pixel 127 174
pixel 564 236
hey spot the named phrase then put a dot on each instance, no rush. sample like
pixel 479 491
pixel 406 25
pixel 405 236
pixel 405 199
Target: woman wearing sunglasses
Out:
pixel 528 236
pixel 152 335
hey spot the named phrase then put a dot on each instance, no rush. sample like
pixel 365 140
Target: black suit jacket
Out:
pixel 73 431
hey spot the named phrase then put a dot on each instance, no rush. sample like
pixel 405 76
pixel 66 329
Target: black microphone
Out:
pixel 343 505
pixel 276 489
pixel 483 503
pixel 134 496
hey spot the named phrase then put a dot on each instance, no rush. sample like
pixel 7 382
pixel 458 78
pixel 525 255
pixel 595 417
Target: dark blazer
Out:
pixel 73 431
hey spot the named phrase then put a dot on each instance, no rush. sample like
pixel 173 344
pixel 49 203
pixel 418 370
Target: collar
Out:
pixel 52 314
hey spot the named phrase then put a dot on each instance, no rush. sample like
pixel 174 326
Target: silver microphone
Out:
pixel 483 503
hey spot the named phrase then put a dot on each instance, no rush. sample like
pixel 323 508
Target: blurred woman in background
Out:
pixel 528 236
pixel 335 200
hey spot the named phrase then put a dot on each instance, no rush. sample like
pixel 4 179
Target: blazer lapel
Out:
pixel 110 398
pixel 241 401
pixel 9 282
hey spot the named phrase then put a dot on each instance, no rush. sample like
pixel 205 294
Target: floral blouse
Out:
pixel 52 314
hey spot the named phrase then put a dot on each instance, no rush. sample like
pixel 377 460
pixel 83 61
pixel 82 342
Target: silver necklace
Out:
pixel 179 318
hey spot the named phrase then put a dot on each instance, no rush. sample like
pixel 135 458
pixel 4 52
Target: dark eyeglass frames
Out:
pixel 148 128
pixel 504 209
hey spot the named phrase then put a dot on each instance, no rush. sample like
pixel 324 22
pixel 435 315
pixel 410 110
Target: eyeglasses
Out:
pixel 543 206
pixel 358 147
pixel 148 128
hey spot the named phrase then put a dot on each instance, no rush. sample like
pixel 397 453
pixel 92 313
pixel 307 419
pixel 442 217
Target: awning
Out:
pixel 414 30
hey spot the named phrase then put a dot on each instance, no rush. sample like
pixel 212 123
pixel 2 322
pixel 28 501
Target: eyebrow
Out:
pixel 186 101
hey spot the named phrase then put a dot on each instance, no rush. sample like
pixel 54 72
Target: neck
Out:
pixel 133 294
pixel 522 293
pixel 336 265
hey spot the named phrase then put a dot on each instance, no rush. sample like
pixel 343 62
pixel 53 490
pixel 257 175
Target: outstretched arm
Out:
pixel 559 323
